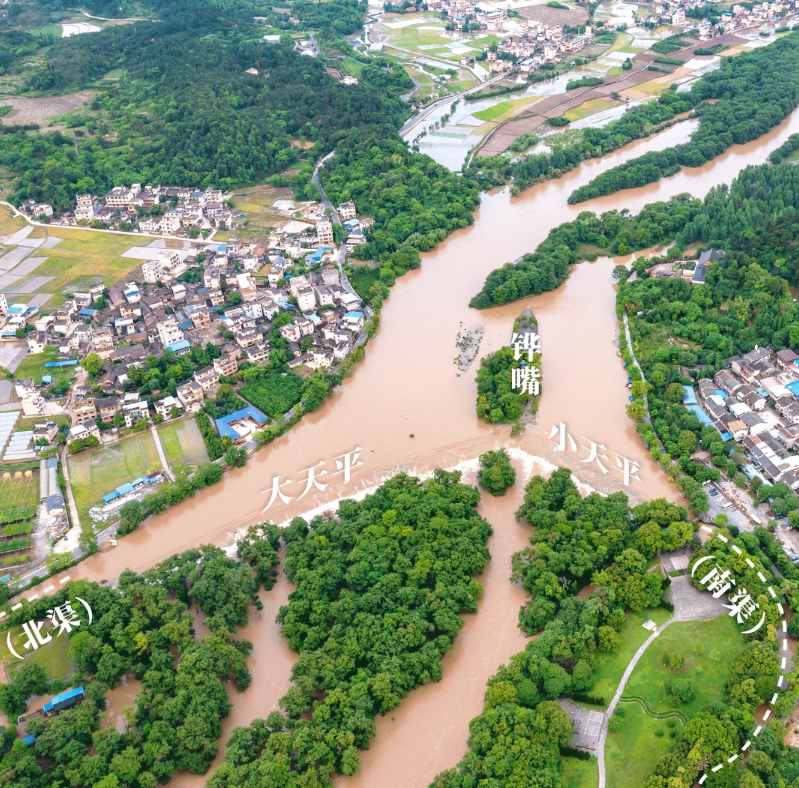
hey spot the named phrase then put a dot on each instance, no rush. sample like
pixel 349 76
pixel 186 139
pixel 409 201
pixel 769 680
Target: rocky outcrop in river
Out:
pixel 467 345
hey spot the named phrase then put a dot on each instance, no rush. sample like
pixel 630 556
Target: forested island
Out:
pixel 381 588
pixel 752 221
pixel 502 399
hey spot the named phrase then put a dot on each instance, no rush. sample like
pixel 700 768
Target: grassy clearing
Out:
pixel 97 471
pixel 32 366
pixel 708 648
pixel 182 443
pixel 29 422
pixel 633 751
pixel 610 667
pixel 637 740
pixel 53 657
pixel 589 108
pixel 578 773
pixel 256 203
pixel 8 223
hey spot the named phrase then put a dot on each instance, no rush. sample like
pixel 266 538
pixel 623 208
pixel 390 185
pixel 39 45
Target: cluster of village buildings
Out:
pixel 158 210
pixel 468 15
pixel 542 43
pixel 738 17
pixel 539 44
pixel 224 295
pixel 755 402
pixel 693 271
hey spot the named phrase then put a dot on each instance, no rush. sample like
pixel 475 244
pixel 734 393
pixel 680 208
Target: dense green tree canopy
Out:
pixel 380 589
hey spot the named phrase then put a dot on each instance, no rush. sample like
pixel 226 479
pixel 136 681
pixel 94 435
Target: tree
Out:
pixel 93 364
pixel 496 472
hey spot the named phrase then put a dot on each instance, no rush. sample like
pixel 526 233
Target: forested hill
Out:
pixel 758 214
pixel 181 107
pixel 747 96
pixel 336 16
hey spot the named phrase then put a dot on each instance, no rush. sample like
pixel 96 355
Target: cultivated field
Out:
pixel 83 258
pixel 98 471
pixel 555 16
pixel 17 493
pixel 182 443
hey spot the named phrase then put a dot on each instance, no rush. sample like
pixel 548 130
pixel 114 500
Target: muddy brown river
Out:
pixel 406 408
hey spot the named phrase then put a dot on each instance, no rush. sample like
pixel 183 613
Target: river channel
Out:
pixel 406 408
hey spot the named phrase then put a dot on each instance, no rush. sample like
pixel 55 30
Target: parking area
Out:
pixel 690 603
pixel 587 725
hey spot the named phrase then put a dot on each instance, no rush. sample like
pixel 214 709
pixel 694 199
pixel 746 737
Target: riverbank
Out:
pixel 407 409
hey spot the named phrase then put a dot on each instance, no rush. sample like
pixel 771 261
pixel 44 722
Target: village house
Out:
pixel 107 408
pixel 83 411
pixel 208 381
pixel 190 395
pixel 168 407
pixel 135 411
pixel 227 364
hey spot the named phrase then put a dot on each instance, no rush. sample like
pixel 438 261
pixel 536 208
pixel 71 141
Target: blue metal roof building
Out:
pixel 64 700
pixel 179 346
pixel 70 362
pixel 250 412
pixel 129 487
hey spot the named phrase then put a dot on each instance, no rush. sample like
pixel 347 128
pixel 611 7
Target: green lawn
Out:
pixel 97 471
pixel 708 647
pixel 578 773
pixel 32 366
pixel 633 750
pixel 610 667
pixel 636 739
pixel 53 656
pixel 182 443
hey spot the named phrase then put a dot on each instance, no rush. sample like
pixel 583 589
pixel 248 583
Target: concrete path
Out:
pixel 73 509
pixel 160 449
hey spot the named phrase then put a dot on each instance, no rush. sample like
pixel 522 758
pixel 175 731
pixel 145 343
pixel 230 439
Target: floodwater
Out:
pixel 405 408
pixel 119 701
